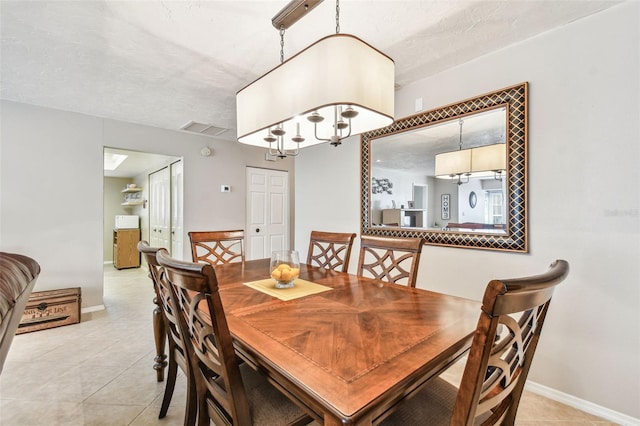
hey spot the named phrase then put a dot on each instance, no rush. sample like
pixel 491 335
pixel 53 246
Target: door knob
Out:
pixel 257 230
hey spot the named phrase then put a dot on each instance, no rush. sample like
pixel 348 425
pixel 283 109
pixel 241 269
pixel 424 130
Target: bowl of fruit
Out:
pixel 285 267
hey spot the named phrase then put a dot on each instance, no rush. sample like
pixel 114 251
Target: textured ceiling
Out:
pixel 166 63
pixel 414 151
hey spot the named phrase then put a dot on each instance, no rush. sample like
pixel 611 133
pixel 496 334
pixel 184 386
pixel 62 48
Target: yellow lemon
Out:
pixel 295 272
pixel 286 275
pixel 276 274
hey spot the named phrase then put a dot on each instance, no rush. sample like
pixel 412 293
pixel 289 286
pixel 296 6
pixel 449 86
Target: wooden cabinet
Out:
pixel 125 248
pixel 413 218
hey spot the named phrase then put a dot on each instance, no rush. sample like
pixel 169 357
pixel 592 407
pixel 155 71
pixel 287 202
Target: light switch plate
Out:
pixel 225 188
pixel 418 105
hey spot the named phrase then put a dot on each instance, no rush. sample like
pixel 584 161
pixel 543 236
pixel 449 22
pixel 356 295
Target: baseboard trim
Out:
pixel 581 404
pixel 94 308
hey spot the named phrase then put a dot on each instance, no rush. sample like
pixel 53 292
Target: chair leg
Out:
pixel 192 403
pixel 170 385
pixel 160 337
pixel 203 410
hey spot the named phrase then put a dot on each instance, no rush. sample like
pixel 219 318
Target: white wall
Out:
pixel 51 187
pixel 584 153
pixel 402 191
pixel 327 192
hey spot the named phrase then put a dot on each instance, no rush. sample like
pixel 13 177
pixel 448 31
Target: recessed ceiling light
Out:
pixel 112 161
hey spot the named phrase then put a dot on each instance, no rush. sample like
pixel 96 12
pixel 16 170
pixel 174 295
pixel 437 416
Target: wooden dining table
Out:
pixel 347 355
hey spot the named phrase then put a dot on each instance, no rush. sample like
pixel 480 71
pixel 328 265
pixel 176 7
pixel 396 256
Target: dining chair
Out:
pixel 178 348
pixel 228 392
pixel 394 260
pixel 330 250
pixel 217 247
pixel 159 328
pixel 511 319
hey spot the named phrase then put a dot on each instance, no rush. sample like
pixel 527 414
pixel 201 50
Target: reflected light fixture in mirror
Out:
pixel 483 161
pixel 337 87
pixel 489 160
pixel 416 139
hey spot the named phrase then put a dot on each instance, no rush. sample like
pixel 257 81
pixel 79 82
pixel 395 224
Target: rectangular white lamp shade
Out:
pixel 482 161
pixel 451 164
pixel 488 159
pixel 337 70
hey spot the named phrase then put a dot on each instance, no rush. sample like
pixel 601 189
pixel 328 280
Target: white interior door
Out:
pixel 159 209
pixel 176 210
pixel 267 212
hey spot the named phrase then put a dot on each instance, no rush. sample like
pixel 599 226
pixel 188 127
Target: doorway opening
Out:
pixel 127 196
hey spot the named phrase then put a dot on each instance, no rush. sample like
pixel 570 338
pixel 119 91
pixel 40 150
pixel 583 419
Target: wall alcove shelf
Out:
pixel 132 196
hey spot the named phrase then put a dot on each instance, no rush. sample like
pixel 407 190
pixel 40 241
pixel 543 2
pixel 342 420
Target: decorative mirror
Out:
pixel 473 200
pixel 453 176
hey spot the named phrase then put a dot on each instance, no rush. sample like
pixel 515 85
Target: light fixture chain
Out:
pixel 281 43
pixel 337 16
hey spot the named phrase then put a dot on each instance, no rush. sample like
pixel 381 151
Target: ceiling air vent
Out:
pixel 203 129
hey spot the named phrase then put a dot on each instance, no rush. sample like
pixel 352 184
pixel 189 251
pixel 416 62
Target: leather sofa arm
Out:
pixel 18 275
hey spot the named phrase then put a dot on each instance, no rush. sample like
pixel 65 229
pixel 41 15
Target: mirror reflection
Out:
pixel 445 176
pixel 452 176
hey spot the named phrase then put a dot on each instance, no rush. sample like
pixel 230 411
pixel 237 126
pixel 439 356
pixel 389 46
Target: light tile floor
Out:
pixel 99 372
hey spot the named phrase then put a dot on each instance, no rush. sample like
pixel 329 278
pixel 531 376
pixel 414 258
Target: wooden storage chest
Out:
pixel 52 308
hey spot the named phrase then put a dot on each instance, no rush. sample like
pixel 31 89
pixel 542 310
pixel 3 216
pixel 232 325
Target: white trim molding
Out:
pixel 94 308
pixel 581 404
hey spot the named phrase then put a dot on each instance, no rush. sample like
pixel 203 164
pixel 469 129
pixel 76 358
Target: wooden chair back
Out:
pixel 512 316
pixel 149 254
pixel 217 247
pixel 394 260
pixel 330 250
pixel 179 349
pixel 221 392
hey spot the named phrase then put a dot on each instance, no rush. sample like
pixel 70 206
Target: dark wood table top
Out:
pixel 350 353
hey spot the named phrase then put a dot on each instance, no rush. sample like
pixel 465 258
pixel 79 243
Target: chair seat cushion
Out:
pixel 431 406
pixel 267 404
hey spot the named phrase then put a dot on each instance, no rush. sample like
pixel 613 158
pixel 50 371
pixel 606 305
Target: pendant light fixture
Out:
pixel 463 164
pixel 337 87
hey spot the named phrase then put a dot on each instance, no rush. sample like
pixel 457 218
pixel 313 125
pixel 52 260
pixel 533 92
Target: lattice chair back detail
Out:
pixel 223 385
pixel 210 339
pixel 394 260
pixel 330 250
pixel 513 313
pixel 178 348
pixel 511 319
pixel 217 247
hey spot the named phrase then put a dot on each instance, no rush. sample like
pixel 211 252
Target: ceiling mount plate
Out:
pixel 292 13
